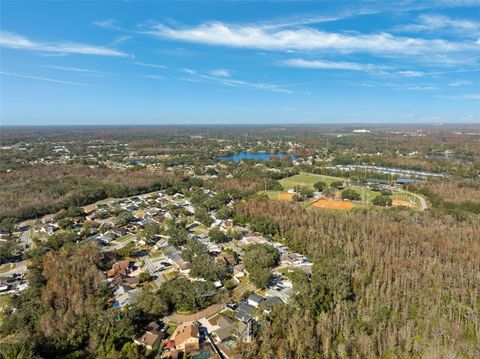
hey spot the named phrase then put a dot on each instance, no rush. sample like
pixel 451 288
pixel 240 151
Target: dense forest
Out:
pixel 38 190
pixel 385 284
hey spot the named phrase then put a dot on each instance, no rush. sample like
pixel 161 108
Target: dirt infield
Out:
pixel 332 204
pixel 399 202
pixel 285 196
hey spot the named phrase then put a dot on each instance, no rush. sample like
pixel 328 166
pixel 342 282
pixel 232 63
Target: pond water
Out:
pixel 256 156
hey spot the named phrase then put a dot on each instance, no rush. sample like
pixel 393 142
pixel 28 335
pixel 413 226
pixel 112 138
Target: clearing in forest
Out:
pixel 332 204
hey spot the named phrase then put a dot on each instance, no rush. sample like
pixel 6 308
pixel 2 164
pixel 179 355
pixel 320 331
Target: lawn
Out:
pixel 274 194
pixel 125 238
pixel 7 267
pixel 156 254
pixel 169 275
pixel 242 287
pixel 171 329
pixel 229 313
pixel 307 180
pixel 402 196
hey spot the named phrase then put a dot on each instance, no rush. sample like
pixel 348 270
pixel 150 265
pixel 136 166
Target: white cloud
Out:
pixel 107 24
pixel 328 65
pixel 196 76
pixel 220 73
pixel 306 39
pixel 43 79
pixel 15 41
pixel 121 39
pixel 410 73
pixel 421 88
pixel 84 71
pixel 189 71
pixel 473 96
pixel 433 22
pixel 458 83
pixel 154 77
pixel 159 66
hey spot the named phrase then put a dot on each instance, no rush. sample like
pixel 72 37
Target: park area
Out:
pixel 332 204
pixel 296 182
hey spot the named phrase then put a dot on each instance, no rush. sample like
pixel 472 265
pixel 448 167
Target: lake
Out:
pixel 256 156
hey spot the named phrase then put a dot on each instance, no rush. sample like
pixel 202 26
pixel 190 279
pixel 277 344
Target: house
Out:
pixel 105 237
pixel 121 289
pixel 48 229
pixel 175 256
pixel 269 303
pixel 244 312
pixel 4 234
pixel 246 241
pixel 238 271
pixel 228 258
pixel 284 294
pixel 254 300
pixel 48 218
pixel 120 267
pixel 126 298
pixel 90 208
pixel 131 282
pixel 229 329
pixel 292 259
pixel 187 338
pixel 148 340
pixel 151 337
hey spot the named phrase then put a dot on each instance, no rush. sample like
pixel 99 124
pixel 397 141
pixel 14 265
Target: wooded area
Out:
pixel 386 283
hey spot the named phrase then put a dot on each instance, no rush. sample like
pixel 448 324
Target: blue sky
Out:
pixel 239 62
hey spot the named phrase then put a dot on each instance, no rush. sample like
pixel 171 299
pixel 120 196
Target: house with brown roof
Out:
pixel 151 337
pixel 90 208
pixel 121 267
pixel 227 258
pixel 187 338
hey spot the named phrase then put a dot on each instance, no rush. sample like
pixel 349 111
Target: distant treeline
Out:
pixel 38 190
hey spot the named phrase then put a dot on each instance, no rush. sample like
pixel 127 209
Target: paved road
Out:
pixel 20 268
pixel 118 245
pixel 423 203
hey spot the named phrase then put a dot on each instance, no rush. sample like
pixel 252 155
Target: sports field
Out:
pixel 404 199
pixel 307 180
pixel 332 204
pixel 285 196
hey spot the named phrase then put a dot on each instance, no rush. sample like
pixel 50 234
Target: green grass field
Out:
pixel 307 180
